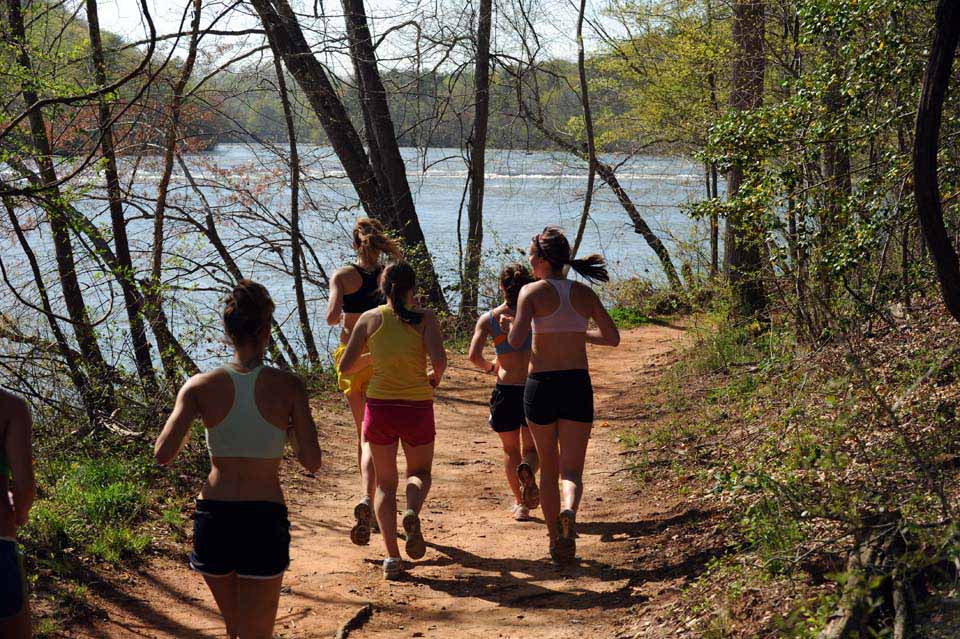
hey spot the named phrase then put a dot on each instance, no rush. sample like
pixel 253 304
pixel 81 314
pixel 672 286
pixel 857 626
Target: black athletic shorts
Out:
pixel 13 584
pixel 506 408
pixel 249 538
pixel 554 395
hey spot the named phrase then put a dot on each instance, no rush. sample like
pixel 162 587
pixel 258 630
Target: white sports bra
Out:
pixel 565 319
pixel 244 432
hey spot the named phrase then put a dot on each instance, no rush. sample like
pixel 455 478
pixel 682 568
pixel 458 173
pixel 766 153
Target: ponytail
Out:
pixel 397 280
pixel 371 241
pixel 552 245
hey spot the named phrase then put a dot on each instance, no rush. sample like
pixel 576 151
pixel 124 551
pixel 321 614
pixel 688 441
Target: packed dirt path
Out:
pixel 484 574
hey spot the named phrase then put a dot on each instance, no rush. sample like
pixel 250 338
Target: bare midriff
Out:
pixel 513 367
pixel 558 352
pixel 243 479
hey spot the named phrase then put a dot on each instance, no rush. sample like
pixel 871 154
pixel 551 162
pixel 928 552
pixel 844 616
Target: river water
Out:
pixel 246 186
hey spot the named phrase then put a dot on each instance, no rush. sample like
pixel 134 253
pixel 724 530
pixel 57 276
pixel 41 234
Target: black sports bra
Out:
pixel 368 295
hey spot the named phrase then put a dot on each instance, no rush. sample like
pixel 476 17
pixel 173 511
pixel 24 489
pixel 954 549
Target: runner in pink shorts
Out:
pixel 399 336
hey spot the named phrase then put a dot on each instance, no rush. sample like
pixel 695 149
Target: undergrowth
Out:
pixel 804 450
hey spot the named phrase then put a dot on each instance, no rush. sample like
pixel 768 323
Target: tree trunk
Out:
pixel 390 202
pixel 171 355
pixel 588 126
pixel 388 158
pixel 60 229
pixel 313 355
pixel 744 237
pixel 926 143
pixel 476 154
pixel 133 301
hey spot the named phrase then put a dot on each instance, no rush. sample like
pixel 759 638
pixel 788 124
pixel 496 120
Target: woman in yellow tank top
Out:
pixel 400 337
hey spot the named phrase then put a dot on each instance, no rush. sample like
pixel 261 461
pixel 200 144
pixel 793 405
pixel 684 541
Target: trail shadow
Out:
pixel 607 531
pixel 513 582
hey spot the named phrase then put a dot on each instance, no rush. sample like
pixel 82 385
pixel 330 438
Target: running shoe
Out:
pixel 529 493
pixel 416 547
pixel 520 512
pixel 392 568
pixel 360 533
pixel 564 551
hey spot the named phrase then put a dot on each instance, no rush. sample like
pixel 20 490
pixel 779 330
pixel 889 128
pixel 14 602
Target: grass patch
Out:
pixel 92 507
pixel 628 317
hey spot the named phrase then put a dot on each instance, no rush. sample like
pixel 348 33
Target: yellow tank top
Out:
pixel 399 361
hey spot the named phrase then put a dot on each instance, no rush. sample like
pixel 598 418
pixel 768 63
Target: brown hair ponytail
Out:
pixel 514 277
pixel 552 245
pixel 247 311
pixel 397 280
pixel 371 241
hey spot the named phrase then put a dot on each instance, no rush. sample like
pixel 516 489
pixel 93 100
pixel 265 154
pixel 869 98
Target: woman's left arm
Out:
pixel 433 342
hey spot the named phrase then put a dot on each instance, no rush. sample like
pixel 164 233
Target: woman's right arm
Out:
pixel 433 342
pixel 305 430
pixel 175 431
pixel 335 300
pixel 353 358
pixel 520 327
pixel 480 334
pixel 606 333
pixel 18 447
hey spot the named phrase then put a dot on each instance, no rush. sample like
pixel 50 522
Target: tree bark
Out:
pixel 60 229
pixel 588 127
pixel 388 200
pixel 313 355
pixel 744 237
pixel 133 301
pixel 476 154
pixel 926 143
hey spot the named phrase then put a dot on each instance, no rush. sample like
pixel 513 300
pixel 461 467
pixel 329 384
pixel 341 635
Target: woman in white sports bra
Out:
pixel 241 534
pixel 558 398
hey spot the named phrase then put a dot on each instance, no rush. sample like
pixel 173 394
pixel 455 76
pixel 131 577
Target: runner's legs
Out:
pixel 419 474
pixel 385 500
pixel 547 442
pixel 368 476
pixel 573 438
pixel 224 591
pixel 257 601
pixel 511 459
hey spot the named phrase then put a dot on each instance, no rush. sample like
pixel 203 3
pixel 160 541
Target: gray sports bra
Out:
pixel 244 432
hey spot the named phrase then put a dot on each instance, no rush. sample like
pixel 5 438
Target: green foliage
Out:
pixel 93 507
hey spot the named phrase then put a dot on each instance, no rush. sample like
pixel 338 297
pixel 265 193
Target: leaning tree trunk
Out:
pixel 133 301
pixel 476 153
pixel 744 237
pixel 609 176
pixel 386 199
pixel 393 169
pixel 60 228
pixel 926 143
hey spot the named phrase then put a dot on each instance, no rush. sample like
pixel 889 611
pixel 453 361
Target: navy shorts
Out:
pixel 554 395
pixel 506 408
pixel 248 538
pixel 13 584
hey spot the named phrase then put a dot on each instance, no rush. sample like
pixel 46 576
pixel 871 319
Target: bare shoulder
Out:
pixel 284 383
pixel 534 288
pixel 204 380
pixel 583 290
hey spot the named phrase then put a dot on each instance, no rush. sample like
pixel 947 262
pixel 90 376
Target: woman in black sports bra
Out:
pixel 355 289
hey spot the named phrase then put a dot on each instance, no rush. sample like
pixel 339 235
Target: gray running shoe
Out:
pixel 416 547
pixel 360 533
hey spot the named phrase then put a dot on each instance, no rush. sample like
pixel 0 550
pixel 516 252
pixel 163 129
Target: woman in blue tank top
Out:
pixel 241 534
pixel 506 402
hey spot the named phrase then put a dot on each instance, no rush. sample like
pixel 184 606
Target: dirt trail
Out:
pixel 484 574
